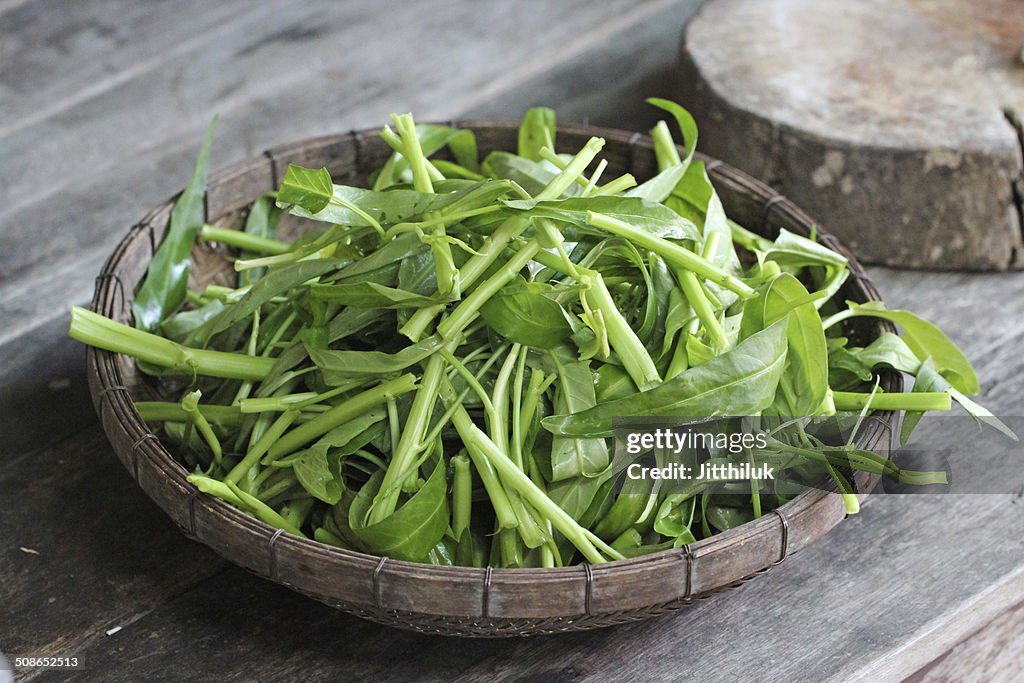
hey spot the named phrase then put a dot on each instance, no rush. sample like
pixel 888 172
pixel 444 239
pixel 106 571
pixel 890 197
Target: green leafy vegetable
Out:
pixel 164 288
pixel 434 370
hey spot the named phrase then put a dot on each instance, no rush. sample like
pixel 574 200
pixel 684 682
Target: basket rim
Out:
pixel 110 386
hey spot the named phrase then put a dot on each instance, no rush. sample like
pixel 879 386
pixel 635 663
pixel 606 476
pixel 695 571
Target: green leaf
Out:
pixel 795 251
pixel 338 367
pixel 926 340
pixel 526 314
pixel 675 515
pixel 652 217
pixel 630 503
pixel 310 189
pixel 790 249
pixel 807 358
pixel 697 352
pixel 277 281
pixel 889 350
pixel 929 380
pixel 400 205
pixel 261 222
pixel 742 381
pixel 677 318
pixel 413 529
pixel 660 187
pixel 723 518
pixel 576 393
pixel 166 282
pixel 532 176
pixel 687 124
pixel 318 467
pixel 695 199
pixel 536 131
pixel 178 325
pixel 371 295
pixel 845 369
pixel 613 383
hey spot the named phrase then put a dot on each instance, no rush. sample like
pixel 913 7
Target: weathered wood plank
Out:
pixel 45 396
pixel 849 593
pixel 55 55
pixel 50 274
pixel 991 654
pixel 83 548
pixel 605 86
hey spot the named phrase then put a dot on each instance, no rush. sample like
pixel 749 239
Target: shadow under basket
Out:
pixel 459 600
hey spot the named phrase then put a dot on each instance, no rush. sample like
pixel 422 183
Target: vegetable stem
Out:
pixel 342 413
pixel 673 253
pixel 243 240
pixel 912 402
pixel 477 441
pixel 694 294
pixel 462 495
pixel 104 333
pixel 621 337
pixel 261 446
pixel 190 405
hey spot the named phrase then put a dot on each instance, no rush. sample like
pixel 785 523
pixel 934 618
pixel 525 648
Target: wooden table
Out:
pixel 103 103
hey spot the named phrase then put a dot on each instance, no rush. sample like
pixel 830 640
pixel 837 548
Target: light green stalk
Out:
pixel 673 253
pixel 104 333
pixel 243 240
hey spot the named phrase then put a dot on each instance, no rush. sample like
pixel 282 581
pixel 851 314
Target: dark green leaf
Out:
pixel 572 457
pixel 178 325
pixel 526 314
pixel 741 381
pixel 413 529
pixel 261 222
pixel 536 131
pixel 613 383
pixel 166 283
pixel 277 281
pixel 338 367
pixel 318 468
pixel 371 295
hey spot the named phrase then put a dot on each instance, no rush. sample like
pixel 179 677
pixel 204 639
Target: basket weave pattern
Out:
pixel 460 600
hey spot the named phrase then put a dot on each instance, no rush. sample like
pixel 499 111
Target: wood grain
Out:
pixel 914 159
pixel 991 654
pixel 82 548
pixel 258 76
pixel 56 55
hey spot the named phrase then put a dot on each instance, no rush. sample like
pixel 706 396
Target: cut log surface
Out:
pixel 102 106
pixel 894 122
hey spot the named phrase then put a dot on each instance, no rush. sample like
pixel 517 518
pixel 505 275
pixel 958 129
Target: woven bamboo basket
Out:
pixel 457 600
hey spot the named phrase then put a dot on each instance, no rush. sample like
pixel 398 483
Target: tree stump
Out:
pixel 897 123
